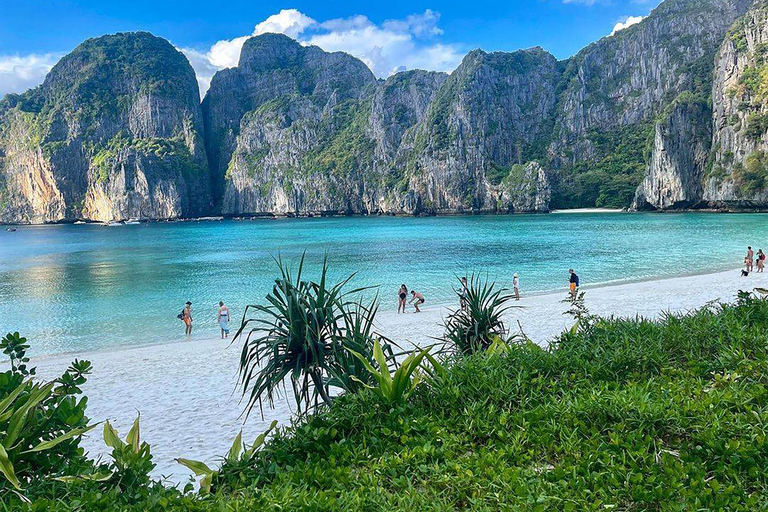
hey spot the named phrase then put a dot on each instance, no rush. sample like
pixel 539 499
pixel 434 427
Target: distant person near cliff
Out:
pixel 574 283
pixel 187 318
pixel 416 299
pixel 223 319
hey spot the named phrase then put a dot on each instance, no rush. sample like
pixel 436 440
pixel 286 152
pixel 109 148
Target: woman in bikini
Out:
pixel 402 295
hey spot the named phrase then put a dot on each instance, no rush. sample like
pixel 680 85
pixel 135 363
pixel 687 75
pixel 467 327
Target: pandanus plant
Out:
pixel 476 325
pixel 301 335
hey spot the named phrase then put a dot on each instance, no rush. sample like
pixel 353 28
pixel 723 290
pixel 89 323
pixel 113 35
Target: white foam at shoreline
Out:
pixel 185 391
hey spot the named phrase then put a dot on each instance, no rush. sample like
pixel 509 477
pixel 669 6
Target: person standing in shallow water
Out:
pixel 516 286
pixel 760 260
pixel 223 319
pixel 749 259
pixel 402 296
pixel 463 294
pixel 187 318
pixel 573 283
pixel 416 299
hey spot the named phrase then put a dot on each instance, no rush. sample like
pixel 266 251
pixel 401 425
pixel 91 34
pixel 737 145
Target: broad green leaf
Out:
pixel 95 477
pixel 237 447
pixel 7 401
pixel 53 442
pixel 7 468
pixel 197 467
pixel 134 437
pixel 111 438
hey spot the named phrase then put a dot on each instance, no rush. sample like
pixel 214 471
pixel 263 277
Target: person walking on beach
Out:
pixel 223 319
pixel 416 299
pixel 463 293
pixel 760 260
pixel 516 286
pixel 750 258
pixel 573 283
pixel 187 318
pixel 402 296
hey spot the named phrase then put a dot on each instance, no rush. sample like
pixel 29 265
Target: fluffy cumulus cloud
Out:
pixel 19 73
pixel 394 45
pixel 386 48
pixel 626 22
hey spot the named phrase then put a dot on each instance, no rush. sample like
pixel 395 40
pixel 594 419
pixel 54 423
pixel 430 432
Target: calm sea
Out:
pixel 76 288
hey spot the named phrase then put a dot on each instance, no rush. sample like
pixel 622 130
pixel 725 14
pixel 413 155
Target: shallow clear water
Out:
pixel 74 288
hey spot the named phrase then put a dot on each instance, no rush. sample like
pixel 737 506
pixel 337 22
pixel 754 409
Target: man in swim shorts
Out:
pixel 416 299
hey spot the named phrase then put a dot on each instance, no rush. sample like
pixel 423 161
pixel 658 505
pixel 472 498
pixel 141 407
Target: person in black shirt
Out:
pixel 574 283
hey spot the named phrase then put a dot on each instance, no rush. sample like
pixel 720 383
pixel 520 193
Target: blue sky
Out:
pixel 388 36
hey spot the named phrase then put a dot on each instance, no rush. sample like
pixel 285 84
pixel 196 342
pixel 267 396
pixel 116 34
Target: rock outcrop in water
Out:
pixel 117 129
pixel 114 132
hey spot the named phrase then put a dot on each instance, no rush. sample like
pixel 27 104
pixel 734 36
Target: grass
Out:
pixel 618 415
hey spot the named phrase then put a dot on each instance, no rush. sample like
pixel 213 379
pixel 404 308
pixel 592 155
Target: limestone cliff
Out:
pixel 313 132
pixel 738 173
pixel 675 172
pixel 115 131
pixel 615 89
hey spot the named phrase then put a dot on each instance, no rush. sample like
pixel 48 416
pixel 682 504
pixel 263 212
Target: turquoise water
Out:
pixel 75 288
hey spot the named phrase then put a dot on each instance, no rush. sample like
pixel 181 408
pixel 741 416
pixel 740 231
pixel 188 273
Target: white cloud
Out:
pixel 392 46
pixel 626 22
pixel 20 72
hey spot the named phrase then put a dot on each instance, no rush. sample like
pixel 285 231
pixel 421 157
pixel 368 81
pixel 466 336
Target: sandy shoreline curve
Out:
pixel 186 391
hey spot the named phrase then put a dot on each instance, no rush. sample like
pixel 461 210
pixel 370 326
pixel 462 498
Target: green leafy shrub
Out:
pixel 40 423
pixel 302 333
pixel 478 323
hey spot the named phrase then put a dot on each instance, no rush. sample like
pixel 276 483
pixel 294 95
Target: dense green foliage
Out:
pixel 617 414
pixel 611 179
pixel 305 333
pixel 478 322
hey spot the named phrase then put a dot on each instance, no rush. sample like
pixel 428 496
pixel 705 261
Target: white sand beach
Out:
pixel 186 391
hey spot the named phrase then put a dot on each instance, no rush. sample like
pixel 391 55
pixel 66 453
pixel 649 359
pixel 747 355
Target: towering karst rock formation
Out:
pixel 737 176
pixel 115 131
pixel 669 113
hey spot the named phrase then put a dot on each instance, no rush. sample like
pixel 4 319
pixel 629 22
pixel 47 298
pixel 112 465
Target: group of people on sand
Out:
pixel 222 318
pixel 402 296
pixel 417 298
pixel 753 261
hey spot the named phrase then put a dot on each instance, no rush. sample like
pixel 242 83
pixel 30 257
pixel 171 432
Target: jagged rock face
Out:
pixel 525 189
pixel 417 142
pixel 276 81
pixel 615 88
pixel 114 132
pixel 738 174
pixel 490 114
pixel 674 177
